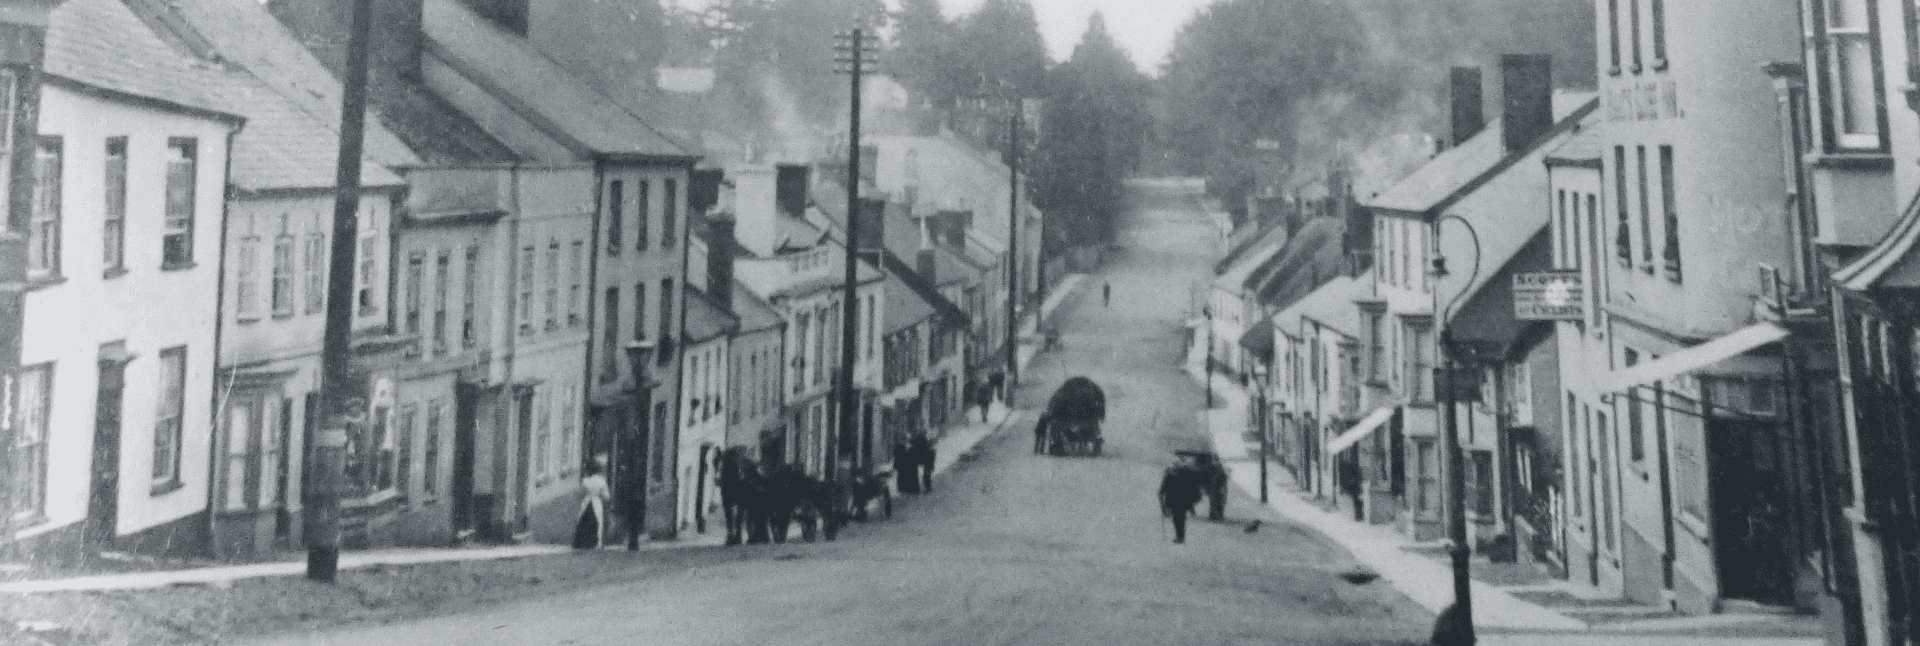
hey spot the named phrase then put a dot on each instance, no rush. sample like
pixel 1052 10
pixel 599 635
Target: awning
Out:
pixel 1694 358
pixel 1354 434
pixel 1259 340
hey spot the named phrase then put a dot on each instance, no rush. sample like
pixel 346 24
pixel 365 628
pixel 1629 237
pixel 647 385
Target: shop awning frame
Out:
pixel 1358 431
pixel 1693 358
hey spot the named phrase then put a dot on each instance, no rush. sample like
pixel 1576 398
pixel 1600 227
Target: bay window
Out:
pixel 1848 80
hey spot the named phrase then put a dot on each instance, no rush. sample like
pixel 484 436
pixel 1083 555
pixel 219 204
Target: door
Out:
pixel 463 458
pixel 522 459
pixel 1750 519
pixel 103 499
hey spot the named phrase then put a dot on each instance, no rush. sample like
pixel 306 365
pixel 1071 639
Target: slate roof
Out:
pixel 1291 274
pixel 283 147
pixel 564 106
pixel 754 314
pixel 904 307
pixel 707 320
pixel 1330 304
pixel 103 45
pixel 1249 264
pixel 1462 168
pixel 1583 147
pixel 247 36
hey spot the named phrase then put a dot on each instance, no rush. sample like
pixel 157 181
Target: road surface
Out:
pixel 1012 548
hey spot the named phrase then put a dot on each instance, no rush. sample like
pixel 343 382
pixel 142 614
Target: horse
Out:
pixel 742 497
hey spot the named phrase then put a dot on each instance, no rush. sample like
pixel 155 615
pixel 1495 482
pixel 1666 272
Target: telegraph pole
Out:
pixel 336 366
pixel 23 30
pixel 855 52
pixel 1013 250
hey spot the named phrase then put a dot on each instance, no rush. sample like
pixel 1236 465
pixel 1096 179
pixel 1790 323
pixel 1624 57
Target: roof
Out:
pixel 103 45
pixel 283 147
pixel 754 314
pixel 707 320
pixel 1261 252
pixel 1459 170
pixel 537 87
pixel 1241 240
pixel 685 80
pixel 247 36
pixel 1890 263
pixel 1330 305
pixel 1583 147
pixel 926 293
pixel 1311 257
pixel 904 307
pixel 1259 339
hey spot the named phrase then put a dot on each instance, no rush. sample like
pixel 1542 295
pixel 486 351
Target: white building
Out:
pixel 120 326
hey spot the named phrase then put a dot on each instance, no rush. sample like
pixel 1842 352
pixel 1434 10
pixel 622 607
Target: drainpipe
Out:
pixel 219 326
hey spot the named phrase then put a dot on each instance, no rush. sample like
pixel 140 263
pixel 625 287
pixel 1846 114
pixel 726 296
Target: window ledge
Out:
pixel 1695 526
pixel 1659 65
pixel 164 488
pixel 282 315
pixel 44 281
pixel 113 272
pixel 1864 161
pixel 178 266
pixel 1613 70
pixel 246 318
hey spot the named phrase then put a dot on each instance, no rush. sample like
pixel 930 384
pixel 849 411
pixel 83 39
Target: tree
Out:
pixel 925 56
pixel 1002 51
pixel 1094 117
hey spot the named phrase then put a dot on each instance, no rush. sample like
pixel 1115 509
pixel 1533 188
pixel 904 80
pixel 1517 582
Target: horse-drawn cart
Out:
pixel 1074 415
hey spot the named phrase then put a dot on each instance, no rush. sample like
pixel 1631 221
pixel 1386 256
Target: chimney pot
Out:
pixel 756 224
pixel 720 257
pixel 1526 88
pixel 704 191
pixel 923 263
pixel 1463 89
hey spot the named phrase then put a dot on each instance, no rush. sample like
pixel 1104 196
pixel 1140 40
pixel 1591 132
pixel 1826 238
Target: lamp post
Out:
pixel 1013 249
pixel 1460 630
pixel 1208 312
pixel 640 358
pixel 1265 412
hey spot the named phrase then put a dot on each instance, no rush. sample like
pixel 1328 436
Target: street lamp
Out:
pixel 1458 630
pixel 640 357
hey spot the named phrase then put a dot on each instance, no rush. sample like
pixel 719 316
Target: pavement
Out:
pixel 1501 617
pixel 1015 547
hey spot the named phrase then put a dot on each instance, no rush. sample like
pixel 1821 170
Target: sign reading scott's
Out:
pixel 1548 296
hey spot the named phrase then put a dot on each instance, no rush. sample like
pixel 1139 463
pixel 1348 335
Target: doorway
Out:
pixel 103 497
pixel 1750 517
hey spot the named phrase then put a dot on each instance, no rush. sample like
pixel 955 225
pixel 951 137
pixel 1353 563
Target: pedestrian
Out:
pixel 922 450
pixel 593 505
pixel 1106 294
pixel 1179 492
pixel 1214 477
pixel 970 397
pixel 985 393
pixel 1040 434
pixel 905 469
pixel 997 383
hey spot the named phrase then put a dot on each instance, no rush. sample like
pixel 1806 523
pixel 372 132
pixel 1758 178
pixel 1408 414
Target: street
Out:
pixel 1012 548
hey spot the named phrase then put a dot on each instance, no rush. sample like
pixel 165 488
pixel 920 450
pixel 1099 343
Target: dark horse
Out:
pixel 743 495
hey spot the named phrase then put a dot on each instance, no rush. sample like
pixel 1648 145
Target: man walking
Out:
pixel 1179 492
pixel 923 455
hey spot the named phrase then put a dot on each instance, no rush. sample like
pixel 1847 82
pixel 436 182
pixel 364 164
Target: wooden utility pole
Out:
pixel 1013 251
pixel 855 52
pixel 338 405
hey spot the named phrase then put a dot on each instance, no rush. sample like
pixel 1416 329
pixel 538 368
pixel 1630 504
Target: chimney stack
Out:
pixel 1526 88
pixel 1463 90
pixel 873 223
pixel 791 194
pixel 756 224
pixel 923 264
pixel 703 191
pixel 720 245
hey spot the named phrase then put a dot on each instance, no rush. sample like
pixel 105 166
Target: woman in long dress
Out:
pixel 593 506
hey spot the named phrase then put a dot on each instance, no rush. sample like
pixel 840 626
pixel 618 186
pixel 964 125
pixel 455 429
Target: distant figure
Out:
pixel 921 450
pixel 983 397
pixel 1179 492
pixel 593 505
pixel 1106 294
pixel 997 383
pixel 970 397
pixel 1040 434
pixel 906 471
